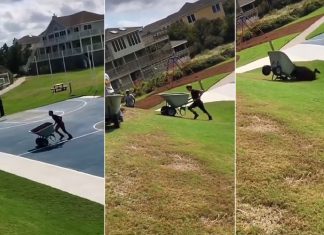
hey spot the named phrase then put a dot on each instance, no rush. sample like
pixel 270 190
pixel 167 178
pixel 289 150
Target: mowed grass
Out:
pixel 171 175
pixel 319 30
pixel 36 91
pixel 260 51
pixel 280 157
pixel 30 208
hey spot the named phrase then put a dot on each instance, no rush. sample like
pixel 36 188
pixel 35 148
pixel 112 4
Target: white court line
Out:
pixel 94 126
pixel 63 141
pixel 45 119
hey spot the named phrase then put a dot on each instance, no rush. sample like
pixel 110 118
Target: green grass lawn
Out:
pixel 257 52
pixel 316 32
pixel 171 175
pixel 23 97
pixel 280 158
pixel 30 208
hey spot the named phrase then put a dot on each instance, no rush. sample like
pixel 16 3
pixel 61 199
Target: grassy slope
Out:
pixel 257 52
pixel 316 32
pixel 171 174
pixel 23 97
pixel 280 179
pixel 30 208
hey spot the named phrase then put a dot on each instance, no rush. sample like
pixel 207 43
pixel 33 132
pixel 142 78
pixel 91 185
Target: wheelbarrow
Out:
pixel 112 110
pixel 45 132
pixel 281 66
pixel 175 103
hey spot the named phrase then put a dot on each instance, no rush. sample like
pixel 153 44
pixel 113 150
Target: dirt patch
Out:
pixel 181 163
pixel 153 100
pixel 260 124
pixel 278 33
pixel 267 219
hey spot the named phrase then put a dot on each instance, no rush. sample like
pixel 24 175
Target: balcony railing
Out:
pixel 71 37
pixel 141 62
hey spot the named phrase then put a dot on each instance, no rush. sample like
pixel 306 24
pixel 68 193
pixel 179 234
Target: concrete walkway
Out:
pixel 224 90
pixel 18 82
pixel 296 50
pixel 74 182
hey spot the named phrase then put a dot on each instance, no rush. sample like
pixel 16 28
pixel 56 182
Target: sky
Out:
pixel 31 17
pixel 128 13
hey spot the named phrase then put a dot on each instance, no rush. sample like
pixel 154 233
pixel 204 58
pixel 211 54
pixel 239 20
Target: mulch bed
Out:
pixel 153 100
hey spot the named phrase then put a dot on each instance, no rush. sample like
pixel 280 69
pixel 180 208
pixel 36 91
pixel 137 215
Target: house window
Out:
pixel 87 27
pixel 118 44
pixel 191 18
pixel 62 33
pixel 76 29
pixel 68 31
pixel 44 38
pixel 133 39
pixel 57 35
pixel 51 36
pixel 216 8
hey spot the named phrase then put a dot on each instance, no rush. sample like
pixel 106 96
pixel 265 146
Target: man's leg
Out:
pixel 191 107
pixel 65 131
pixel 57 131
pixel 202 107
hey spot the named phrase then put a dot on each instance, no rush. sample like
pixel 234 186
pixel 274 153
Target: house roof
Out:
pixel 112 33
pixel 186 9
pixel 243 3
pixel 28 39
pixel 178 43
pixel 78 18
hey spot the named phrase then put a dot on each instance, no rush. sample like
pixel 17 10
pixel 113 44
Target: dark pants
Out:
pixel 198 103
pixel 1 108
pixel 62 127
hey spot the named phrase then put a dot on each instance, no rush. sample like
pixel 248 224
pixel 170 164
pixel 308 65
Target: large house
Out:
pixel 69 42
pixel 135 53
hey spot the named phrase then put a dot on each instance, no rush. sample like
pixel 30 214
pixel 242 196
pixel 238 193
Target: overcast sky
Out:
pixel 123 13
pixel 24 17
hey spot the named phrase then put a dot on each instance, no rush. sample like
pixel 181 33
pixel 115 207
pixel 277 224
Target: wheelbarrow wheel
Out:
pixel 172 111
pixel 266 70
pixel 41 142
pixel 164 110
pixel 116 121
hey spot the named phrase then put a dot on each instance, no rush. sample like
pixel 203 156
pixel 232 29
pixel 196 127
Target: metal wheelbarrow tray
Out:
pixel 281 66
pixel 44 132
pixel 112 109
pixel 175 103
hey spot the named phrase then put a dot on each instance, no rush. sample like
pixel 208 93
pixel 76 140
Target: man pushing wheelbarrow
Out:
pixel 59 124
pixel 195 95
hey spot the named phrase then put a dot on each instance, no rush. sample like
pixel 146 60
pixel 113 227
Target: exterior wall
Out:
pixel 206 13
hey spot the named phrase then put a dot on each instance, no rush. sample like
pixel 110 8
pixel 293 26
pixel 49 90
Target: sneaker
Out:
pixel 196 116
pixel 210 118
pixel 70 137
pixel 62 136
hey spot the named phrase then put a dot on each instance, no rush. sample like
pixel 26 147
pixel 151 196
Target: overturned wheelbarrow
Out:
pixel 112 110
pixel 175 103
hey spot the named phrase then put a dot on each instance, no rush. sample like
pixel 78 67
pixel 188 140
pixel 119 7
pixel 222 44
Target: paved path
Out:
pixel 224 90
pixel 297 50
pixel 18 82
pixel 83 155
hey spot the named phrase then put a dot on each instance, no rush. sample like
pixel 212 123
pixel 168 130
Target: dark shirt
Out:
pixel 195 94
pixel 57 119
